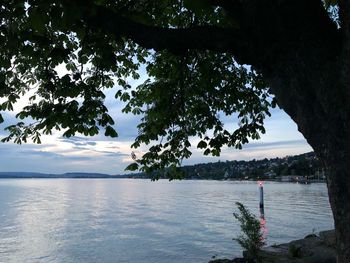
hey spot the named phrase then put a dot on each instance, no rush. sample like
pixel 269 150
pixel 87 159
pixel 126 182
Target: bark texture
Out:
pixel 339 194
pixel 306 61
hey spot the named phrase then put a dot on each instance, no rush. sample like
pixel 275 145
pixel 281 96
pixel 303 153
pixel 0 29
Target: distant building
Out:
pixel 286 178
pixel 270 174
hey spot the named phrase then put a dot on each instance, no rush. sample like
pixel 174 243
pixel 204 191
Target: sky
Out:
pixel 100 154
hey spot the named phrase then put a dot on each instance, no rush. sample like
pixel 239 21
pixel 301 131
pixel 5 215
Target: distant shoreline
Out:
pixel 29 175
pixel 303 168
pixel 19 175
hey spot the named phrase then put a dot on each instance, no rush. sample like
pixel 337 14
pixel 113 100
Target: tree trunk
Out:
pixel 327 130
pixel 325 123
pixel 309 73
pixel 338 182
pixel 323 117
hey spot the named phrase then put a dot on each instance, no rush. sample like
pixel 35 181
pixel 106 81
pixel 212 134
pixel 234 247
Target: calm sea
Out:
pixel 139 221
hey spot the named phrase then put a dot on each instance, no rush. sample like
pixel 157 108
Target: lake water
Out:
pixel 139 221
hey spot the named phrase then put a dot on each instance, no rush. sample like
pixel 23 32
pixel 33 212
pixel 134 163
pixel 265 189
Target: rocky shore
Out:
pixel 311 249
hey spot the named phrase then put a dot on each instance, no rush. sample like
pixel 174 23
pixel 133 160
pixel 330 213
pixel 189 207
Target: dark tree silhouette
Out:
pixel 296 50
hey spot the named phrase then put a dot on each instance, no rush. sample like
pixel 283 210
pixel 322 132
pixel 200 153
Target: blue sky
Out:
pixel 107 155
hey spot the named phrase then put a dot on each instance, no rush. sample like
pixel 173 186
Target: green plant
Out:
pixel 251 239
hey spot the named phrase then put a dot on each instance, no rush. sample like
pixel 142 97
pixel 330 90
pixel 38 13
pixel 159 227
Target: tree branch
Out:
pixel 344 15
pixel 177 40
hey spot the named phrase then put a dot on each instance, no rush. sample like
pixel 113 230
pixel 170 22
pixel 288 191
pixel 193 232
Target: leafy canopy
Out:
pixel 184 95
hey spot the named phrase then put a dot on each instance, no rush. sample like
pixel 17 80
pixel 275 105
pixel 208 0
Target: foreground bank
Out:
pixel 311 249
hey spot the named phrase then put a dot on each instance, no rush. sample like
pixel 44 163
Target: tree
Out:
pixel 204 58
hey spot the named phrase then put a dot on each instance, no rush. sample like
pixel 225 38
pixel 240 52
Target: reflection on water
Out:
pixel 104 220
pixel 263 225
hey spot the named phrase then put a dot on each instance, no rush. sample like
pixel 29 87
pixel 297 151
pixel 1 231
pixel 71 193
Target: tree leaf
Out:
pixel 132 167
pixel 110 131
pixel 202 145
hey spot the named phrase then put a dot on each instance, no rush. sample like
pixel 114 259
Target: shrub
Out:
pixel 251 239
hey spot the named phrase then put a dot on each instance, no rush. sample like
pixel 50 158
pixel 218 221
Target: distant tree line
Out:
pixel 304 165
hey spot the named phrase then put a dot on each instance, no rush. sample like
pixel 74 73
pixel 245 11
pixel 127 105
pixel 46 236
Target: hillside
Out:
pixel 304 164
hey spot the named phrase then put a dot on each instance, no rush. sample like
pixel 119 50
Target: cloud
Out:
pixel 52 155
pixel 111 155
pixel 273 145
pixel 34 158
pixel 78 141
pixel 36 153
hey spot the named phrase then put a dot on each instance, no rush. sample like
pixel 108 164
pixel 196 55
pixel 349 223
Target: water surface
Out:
pixel 139 221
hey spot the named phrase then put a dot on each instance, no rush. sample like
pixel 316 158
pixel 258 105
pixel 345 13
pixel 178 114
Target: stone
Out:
pixel 311 249
pixel 328 237
pixel 236 260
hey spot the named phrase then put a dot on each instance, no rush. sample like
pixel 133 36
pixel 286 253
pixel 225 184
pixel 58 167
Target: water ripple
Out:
pixel 142 221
